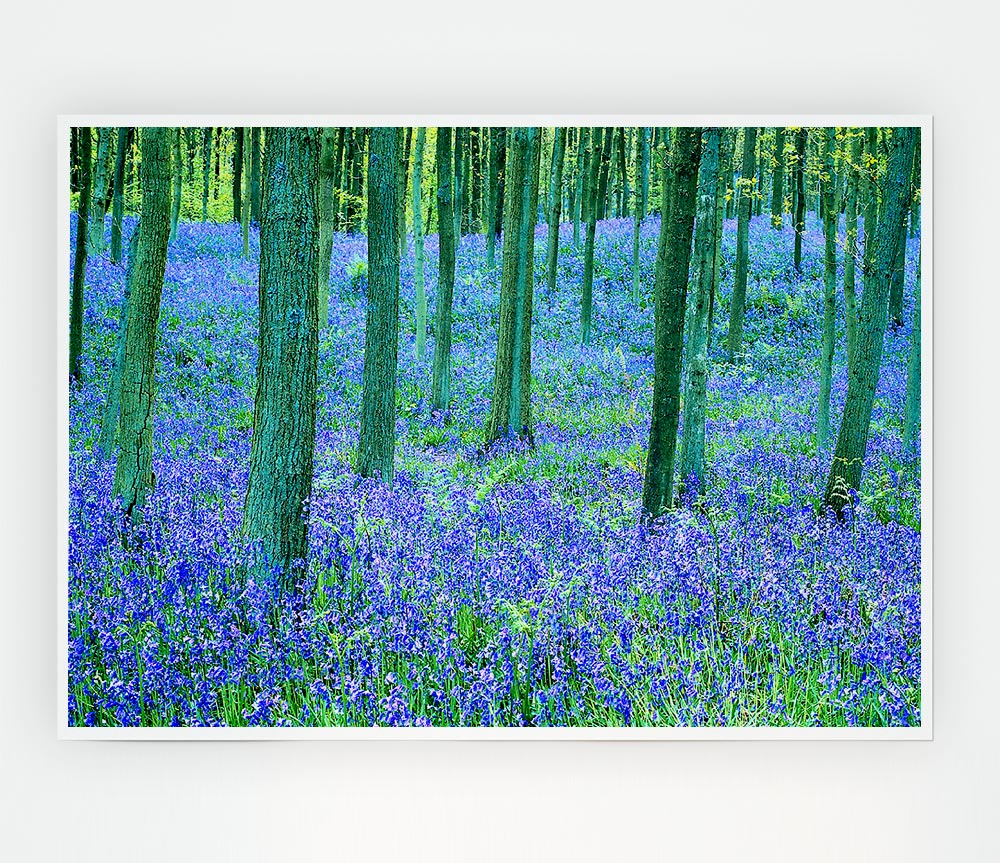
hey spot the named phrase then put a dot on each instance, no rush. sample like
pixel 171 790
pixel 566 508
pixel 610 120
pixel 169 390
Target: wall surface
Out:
pixel 144 802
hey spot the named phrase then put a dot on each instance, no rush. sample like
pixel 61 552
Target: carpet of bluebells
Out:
pixel 516 587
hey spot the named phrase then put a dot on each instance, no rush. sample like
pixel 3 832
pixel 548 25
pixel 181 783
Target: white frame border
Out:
pixel 922 732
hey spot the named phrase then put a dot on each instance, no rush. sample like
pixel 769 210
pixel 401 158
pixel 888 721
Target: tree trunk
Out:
pixel 247 205
pixel 911 415
pixel 693 433
pixel 581 170
pixel 642 182
pixel 177 173
pixel 555 212
pixel 672 260
pixel 871 195
pixel 206 172
pixel 134 468
pixel 238 176
pixel 498 158
pixel 95 233
pixel 327 171
pixel 510 410
pixel 284 422
pixel 118 198
pixel 80 257
pixel 475 203
pixel 591 192
pixel 851 243
pixel 255 175
pixel 830 219
pixel 899 270
pixel 441 372
pixel 800 194
pixel 401 176
pixel 418 245
pixel 744 193
pixel 852 441
pixel 604 148
pixel 458 193
pixel 377 440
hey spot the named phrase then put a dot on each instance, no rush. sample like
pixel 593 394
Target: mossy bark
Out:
pixel 592 196
pixel 80 257
pixel 830 219
pixel 327 172
pixel 177 173
pixel 118 195
pixel 851 241
pixel 95 232
pixel 642 189
pixel 133 470
pixel 799 174
pixel 441 371
pixel 555 212
pixel 418 246
pixel 744 194
pixel 852 440
pixel 672 260
pixel 377 438
pixel 238 174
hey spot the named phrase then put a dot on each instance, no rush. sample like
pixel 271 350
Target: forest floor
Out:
pixel 515 587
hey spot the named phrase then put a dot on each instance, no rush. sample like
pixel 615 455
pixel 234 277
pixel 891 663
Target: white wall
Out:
pixel 304 801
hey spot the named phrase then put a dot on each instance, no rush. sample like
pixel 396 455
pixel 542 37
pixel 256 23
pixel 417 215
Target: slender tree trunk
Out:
pixel 74 160
pixel 800 194
pixel 911 415
pixel 95 233
pixel 510 410
pixel 581 171
pixel 134 468
pixel 744 192
pixel 604 148
pixel 80 258
pixel 401 176
pixel 377 440
pixel 475 202
pixel 206 172
pixel 284 422
pixel 727 143
pixel 555 212
pixel 441 372
pixel 118 198
pixel 915 183
pixel 851 243
pixel 693 432
pixel 178 178
pixel 255 175
pixel 498 157
pixel 852 441
pixel 672 260
pixel 642 181
pixel 458 193
pixel 830 219
pixel 623 190
pixel 238 176
pixel 327 171
pixel 871 196
pixel 592 193
pixel 418 245
pixel 247 205
pixel 899 271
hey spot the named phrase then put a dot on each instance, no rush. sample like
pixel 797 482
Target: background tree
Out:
pixel 441 372
pixel 118 197
pixel 238 175
pixel 744 193
pixel 327 170
pixel 284 421
pixel 458 191
pixel 799 176
pixel 134 468
pixel 591 194
pixel 95 233
pixel 377 437
pixel 84 145
pixel 555 211
pixel 642 189
pixel 911 413
pixel 418 246
pixel 853 147
pixel 206 171
pixel 497 183
pixel 693 434
pixel 178 179
pixel 255 175
pixel 852 441
pixel 672 260
pixel 510 410
pixel 831 216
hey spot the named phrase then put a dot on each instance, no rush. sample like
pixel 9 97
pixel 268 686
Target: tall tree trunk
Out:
pixel 206 172
pixel 911 414
pixel 247 204
pixel 915 183
pixel 510 410
pixel 830 220
pixel 418 245
pixel 605 171
pixel 238 176
pixel 74 160
pixel 327 171
pixel 95 233
pixel 744 192
pixel 591 191
pixel 672 260
pixel 475 202
pixel 555 212
pixel 899 270
pixel 284 422
pixel 800 193
pixel 727 144
pixel 80 257
pixel 581 170
pixel 778 179
pixel 441 372
pixel 401 176
pixel 642 182
pixel 851 242
pixel 498 159
pixel 178 178
pixel 118 198
pixel 377 439
pixel 852 441
pixel 623 190
pixel 255 175
pixel 134 468
pixel 693 433
pixel 458 192
pixel 871 195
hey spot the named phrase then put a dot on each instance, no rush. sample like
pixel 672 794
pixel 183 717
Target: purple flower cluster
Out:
pixel 516 587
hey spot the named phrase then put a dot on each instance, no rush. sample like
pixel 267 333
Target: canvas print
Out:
pixel 494 426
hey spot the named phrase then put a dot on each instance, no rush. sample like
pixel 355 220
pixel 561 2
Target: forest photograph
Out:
pixel 494 426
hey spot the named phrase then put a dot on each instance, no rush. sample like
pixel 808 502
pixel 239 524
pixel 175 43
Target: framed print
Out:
pixel 504 427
